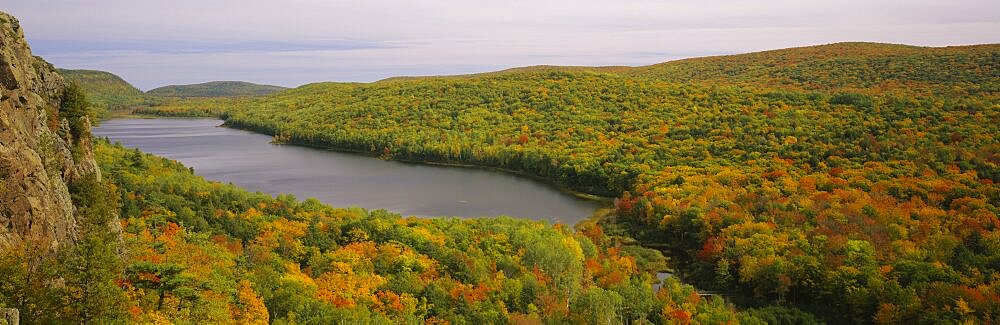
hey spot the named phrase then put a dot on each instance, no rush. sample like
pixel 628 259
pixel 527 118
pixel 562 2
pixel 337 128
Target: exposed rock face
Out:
pixel 36 155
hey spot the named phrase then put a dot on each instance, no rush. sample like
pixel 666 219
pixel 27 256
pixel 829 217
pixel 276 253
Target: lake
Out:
pixel 249 160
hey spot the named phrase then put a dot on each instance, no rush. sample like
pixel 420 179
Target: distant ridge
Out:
pixel 837 65
pixel 215 89
pixel 105 91
pixel 852 65
pixel 527 69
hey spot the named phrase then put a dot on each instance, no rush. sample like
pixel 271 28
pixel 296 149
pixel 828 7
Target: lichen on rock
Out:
pixel 37 161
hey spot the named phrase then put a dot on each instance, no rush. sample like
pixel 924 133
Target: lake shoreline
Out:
pixel 225 123
pixel 501 204
pixel 566 190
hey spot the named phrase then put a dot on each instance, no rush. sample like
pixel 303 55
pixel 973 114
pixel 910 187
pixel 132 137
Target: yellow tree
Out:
pixel 249 307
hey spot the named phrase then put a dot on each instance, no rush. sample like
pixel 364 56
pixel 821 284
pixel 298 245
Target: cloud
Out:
pixel 62 46
pixel 153 43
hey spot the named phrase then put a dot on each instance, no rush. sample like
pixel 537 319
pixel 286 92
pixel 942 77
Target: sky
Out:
pixel 152 43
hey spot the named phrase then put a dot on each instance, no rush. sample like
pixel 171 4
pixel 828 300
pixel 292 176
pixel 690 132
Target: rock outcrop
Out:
pixel 38 156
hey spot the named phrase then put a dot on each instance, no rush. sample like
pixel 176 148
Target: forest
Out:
pixel 109 94
pixel 196 251
pixel 854 181
pixel 157 244
pixel 214 89
pixel 106 92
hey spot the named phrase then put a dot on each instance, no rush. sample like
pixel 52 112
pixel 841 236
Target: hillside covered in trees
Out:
pixel 856 181
pixel 111 235
pixel 109 93
pixel 106 91
pixel 200 251
pixel 154 243
pixel 193 251
pixel 215 89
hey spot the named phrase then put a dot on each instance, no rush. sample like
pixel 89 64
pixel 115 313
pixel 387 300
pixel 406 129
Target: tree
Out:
pixel 75 109
pixel 597 306
pixel 28 271
pixel 250 307
pixel 161 278
pixel 93 265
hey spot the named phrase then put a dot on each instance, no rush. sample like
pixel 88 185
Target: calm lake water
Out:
pixel 342 179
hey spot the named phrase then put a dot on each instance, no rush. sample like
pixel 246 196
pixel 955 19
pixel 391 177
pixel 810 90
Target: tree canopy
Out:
pixel 857 181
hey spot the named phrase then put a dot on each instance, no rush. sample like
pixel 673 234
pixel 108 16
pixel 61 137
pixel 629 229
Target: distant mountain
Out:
pixel 521 70
pixel 105 91
pixel 215 89
pixel 108 92
pixel 850 65
pixel 845 66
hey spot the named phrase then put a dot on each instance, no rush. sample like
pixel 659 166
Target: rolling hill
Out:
pixel 874 67
pixel 857 181
pixel 144 240
pixel 856 66
pixel 106 91
pixel 215 89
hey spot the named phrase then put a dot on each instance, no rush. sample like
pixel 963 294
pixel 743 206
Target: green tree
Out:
pixel 75 109
pixel 93 264
pixel 597 306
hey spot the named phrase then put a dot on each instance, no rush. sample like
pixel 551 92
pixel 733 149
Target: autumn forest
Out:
pixel 847 183
pixel 854 181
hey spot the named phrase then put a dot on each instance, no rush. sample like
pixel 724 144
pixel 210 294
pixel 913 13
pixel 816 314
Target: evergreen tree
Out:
pixel 93 265
pixel 74 108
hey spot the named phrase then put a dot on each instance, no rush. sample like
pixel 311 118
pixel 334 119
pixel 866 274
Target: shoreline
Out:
pixel 603 200
pixel 586 196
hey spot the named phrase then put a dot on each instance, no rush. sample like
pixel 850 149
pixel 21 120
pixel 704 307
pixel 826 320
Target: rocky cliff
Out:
pixel 38 155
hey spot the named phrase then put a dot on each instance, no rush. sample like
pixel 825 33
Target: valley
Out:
pixel 758 174
pixel 844 183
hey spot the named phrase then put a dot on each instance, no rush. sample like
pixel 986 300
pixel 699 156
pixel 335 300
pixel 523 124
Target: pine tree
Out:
pixel 74 108
pixel 93 265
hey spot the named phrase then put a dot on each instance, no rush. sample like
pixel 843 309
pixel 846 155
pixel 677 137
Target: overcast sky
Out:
pixel 292 42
